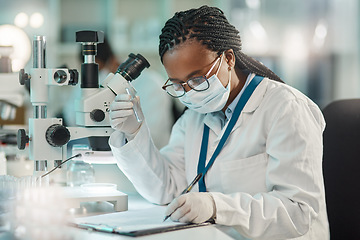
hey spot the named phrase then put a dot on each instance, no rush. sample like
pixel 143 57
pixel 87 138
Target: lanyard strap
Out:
pixel 204 144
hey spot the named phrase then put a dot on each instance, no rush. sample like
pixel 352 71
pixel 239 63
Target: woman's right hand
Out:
pixel 122 115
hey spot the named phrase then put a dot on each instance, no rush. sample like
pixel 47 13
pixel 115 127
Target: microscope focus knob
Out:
pixel 22 139
pixel 57 135
pixel 97 115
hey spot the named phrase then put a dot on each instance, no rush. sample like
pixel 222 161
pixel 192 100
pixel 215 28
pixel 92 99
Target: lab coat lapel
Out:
pixel 253 102
pixel 213 123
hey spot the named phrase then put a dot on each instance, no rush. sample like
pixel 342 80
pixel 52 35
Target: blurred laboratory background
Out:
pixel 313 45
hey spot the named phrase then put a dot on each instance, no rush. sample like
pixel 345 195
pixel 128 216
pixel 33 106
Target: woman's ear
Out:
pixel 230 58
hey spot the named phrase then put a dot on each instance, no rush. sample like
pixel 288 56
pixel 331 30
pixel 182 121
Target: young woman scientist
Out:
pixel 257 140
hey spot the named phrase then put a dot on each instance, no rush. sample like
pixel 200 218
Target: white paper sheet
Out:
pixel 132 220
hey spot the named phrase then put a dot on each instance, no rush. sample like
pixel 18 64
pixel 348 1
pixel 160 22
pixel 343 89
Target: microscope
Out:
pixel 48 137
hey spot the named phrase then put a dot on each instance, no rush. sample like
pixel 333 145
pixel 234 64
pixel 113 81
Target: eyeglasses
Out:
pixel 200 83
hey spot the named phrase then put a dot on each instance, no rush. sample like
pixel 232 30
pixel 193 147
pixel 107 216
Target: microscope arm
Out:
pixel 83 132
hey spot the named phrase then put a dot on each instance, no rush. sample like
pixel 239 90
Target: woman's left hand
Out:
pixel 195 207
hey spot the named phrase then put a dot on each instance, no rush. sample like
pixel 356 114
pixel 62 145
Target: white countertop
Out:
pixel 136 202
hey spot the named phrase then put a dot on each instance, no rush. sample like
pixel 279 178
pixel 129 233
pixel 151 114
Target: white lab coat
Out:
pixel 267 180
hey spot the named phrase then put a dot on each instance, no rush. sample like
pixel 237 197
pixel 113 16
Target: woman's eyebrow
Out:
pixel 187 77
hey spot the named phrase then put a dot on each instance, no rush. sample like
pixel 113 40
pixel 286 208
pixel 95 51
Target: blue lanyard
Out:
pixel 204 144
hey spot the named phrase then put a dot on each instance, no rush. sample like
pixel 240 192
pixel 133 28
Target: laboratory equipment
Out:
pixel 47 137
pixel 41 213
pixel 80 172
pixel 12 188
pixel 90 156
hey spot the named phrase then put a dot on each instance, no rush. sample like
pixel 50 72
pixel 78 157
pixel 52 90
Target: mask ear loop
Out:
pixel 229 70
pixel 207 74
pixel 229 83
pixel 221 59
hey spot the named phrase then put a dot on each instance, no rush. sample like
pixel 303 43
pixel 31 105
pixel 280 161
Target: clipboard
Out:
pixel 137 233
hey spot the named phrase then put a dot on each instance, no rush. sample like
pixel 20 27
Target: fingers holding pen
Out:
pixel 178 208
pixel 195 207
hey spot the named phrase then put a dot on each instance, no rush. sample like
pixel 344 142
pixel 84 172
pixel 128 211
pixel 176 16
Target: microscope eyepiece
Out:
pixel 133 66
pixel 124 64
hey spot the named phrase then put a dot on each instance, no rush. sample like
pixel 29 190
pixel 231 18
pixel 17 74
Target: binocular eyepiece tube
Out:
pixel 132 67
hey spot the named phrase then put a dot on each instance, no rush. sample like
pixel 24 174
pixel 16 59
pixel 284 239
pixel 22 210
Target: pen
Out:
pixel 187 189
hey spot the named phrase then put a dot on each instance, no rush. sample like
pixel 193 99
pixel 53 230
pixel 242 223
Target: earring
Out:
pixel 229 68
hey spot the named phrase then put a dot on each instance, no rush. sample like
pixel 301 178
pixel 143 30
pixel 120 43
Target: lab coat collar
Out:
pixel 215 121
pixel 257 97
pixel 253 103
pixel 230 109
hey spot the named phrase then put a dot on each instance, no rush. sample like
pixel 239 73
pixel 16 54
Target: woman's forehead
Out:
pixel 186 58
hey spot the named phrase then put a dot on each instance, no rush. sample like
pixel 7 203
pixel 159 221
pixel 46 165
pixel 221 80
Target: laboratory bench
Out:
pixel 136 202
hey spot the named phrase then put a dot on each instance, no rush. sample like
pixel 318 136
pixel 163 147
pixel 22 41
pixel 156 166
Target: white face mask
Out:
pixel 211 100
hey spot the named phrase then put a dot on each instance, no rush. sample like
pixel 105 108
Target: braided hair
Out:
pixel 209 26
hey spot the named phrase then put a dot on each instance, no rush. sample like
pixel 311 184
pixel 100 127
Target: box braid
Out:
pixel 209 26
